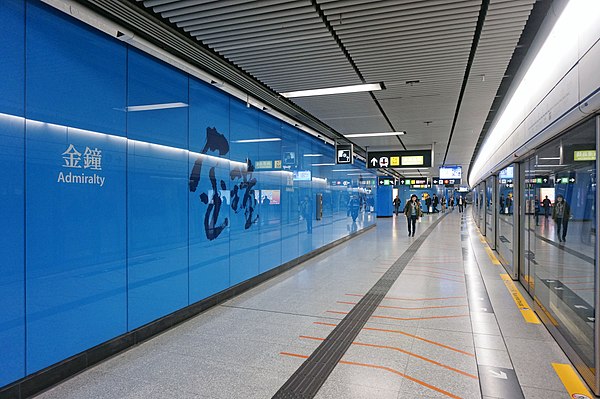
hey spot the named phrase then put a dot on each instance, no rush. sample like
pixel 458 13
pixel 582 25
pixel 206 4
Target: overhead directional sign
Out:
pixel 399 159
pixel 438 181
pixel 344 153
pixel 386 181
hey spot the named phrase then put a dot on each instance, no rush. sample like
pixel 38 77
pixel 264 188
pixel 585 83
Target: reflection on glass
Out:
pixel 506 220
pixel 489 210
pixel 560 233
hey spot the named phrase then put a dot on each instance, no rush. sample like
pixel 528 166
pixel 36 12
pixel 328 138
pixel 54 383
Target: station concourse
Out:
pixel 299 199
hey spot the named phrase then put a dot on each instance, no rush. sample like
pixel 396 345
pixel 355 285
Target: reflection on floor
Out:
pixel 447 327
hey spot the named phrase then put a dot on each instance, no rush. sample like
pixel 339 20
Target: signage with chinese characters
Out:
pixel 344 153
pixel 263 164
pixel 584 155
pixel 399 159
pixel 79 164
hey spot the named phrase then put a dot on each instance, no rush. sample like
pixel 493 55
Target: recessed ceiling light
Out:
pixel 334 90
pixel 374 134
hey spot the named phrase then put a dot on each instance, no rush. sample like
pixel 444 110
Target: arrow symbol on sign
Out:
pixel 580 307
pixel 498 374
pixel 374 161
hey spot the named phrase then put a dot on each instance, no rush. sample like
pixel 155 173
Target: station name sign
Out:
pixel 399 159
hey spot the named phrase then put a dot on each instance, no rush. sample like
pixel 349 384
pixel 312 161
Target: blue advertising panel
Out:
pixel 243 247
pixel 209 191
pixel 76 75
pixel 75 246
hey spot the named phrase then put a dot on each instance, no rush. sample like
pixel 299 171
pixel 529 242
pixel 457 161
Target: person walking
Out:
pixel 452 202
pixel 461 203
pixel 443 202
pixel 428 204
pixel 561 214
pixel 412 210
pixel 397 203
pixel 435 203
pixel 501 203
pixel 546 204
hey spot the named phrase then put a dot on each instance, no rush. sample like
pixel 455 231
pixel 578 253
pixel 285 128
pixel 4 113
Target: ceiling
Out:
pixel 441 61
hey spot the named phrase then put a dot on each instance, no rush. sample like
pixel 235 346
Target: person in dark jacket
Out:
pixel 546 204
pixel 397 203
pixel 561 213
pixel 427 204
pixel 435 203
pixel 412 210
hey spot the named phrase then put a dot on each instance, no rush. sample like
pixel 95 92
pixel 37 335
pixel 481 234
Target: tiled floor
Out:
pixel 422 342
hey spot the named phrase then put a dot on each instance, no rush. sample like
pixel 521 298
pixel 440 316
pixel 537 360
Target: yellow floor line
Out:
pixel 528 314
pixel 573 384
pixel 493 258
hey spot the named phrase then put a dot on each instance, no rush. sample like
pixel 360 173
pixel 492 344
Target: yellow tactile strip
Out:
pixel 573 384
pixel 528 314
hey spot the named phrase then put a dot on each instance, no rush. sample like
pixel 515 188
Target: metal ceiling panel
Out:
pixel 420 49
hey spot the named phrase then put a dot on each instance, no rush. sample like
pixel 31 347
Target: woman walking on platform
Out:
pixel 412 210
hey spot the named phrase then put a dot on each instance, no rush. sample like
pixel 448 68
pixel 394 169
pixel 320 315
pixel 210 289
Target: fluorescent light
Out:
pixel 578 19
pixel 342 170
pixel 257 140
pixel 323 164
pixel 548 166
pixel 550 158
pixel 152 107
pixel 313 155
pixel 334 90
pixel 374 134
pixel 355 174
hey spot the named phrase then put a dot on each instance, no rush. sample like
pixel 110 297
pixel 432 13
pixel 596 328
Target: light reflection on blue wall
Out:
pixel 172 212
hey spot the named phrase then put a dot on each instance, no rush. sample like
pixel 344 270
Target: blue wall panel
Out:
pixel 12 284
pixel 269 183
pixel 209 219
pixel 290 223
pixel 131 214
pixel 12 62
pixel 243 260
pixel 75 74
pixel 157 227
pixel 12 263
pixel 164 90
pixel 75 248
